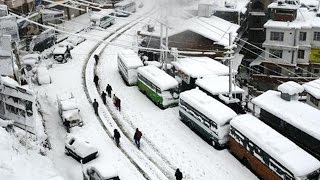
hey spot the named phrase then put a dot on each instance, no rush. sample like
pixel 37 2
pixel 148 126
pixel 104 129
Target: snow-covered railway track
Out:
pixel 151 164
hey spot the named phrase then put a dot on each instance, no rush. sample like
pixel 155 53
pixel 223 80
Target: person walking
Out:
pixel 68 52
pixel 118 103
pixel 109 90
pixel 96 58
pixel 96 80
pixel 137 136
pixel 95 105
pixel 103 97
pixel 116 136
pixel 178 174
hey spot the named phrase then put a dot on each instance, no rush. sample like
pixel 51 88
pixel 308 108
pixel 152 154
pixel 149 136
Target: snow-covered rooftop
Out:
pixel 296 113
pixel 209 106
pixel 313 88
pixel 305 19
pixel 200 66
pixel 130 59
pixel 281 4
pixel 291 156
pixel 231 5
pixel 213 28
pixel 217 85
pixel 290 88
pixel 158 77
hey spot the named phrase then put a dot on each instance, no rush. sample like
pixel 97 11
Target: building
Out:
pixel 197 35
pixel 313 93
pixel 17 103
pixel 292 44
pixel 19 6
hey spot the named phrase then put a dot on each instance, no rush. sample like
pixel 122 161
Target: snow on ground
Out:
pixel 20 162
pixel 173 139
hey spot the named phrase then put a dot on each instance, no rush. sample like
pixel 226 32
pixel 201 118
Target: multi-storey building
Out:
pixel 19 6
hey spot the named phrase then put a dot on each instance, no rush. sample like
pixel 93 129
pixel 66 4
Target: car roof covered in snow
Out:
pixel 97 15
pixel 158 77
pixel 68 104
pixel 216 85
pixel 130 59
pixel 208 106
pixel 294 112
pixel 200 66
pixel 313 88
pixel 106 170
pixel 81 147
pixel 288 154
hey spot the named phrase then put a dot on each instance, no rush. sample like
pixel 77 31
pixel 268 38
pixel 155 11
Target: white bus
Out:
pixel 125 8
pixel 269 154
pixel 128 63
pixel 103 18
pixel 159 86
pixel 207 116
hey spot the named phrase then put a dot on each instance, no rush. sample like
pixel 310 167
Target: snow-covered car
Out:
pixel 61 53
pixel 75 40
pixel 42 76
pixel 29 61
pixel 102 173
pixel 80 150
pixel 69 111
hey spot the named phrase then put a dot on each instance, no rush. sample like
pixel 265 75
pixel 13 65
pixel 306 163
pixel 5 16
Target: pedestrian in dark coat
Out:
pixel 96 80
pixel 103 97
pixel 178 174
pixel 95 105
pixel 96 58
pixel 109 90
pixel 137 136
pixel 118 103
pixel 68 52
pixel 116 136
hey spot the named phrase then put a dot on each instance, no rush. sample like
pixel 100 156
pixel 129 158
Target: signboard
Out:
pixel 315 55
pixel 3 10
pixel 6 66
pixel 49 15
pixel 8 26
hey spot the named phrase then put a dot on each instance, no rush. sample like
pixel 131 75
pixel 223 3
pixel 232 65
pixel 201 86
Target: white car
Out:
pixel 75 40
pixel 102 172
pixel 80 150
pixel 43 76
pixel 29 61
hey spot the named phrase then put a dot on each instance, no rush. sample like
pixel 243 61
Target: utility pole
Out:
pixel 229 57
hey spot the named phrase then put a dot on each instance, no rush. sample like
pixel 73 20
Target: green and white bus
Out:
pixel 207 116
pixel 103 18
pixel 125 8
pixel 159 86
pixel 128 63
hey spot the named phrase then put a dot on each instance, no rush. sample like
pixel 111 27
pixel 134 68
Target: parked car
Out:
pixel 80 150
pixel 42 76
pixel 69 111
pixel 102 173
pixel 75 40
pixel 61 53
pixel 29 61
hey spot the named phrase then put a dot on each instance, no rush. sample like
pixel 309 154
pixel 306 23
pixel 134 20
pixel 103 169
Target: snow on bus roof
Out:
pixel 158 77
pixel 217 85
pixel 288 154
pixel 209 106
pixel 129 58
pixel 200 66
pixel 290 88
pixel 313 88
pixel 296 113
pixel 96 15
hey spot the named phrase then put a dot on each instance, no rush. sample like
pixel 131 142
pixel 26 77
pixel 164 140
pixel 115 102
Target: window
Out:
pixel 314 100
pixel 276 36
pixel 303 36
pixel 316 71
pixel 275 53
pixel 301 54
pixel 316 36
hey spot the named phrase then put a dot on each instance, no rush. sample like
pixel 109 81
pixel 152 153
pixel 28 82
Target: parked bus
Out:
pixel 160 87
pixel 128 63
pixel 296 120
pixel 103 18
pixel 269 154
pixel 125 8
pixel 207 116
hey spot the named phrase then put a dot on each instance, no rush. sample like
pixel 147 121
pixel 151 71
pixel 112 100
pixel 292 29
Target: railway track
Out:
pixel 150 162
